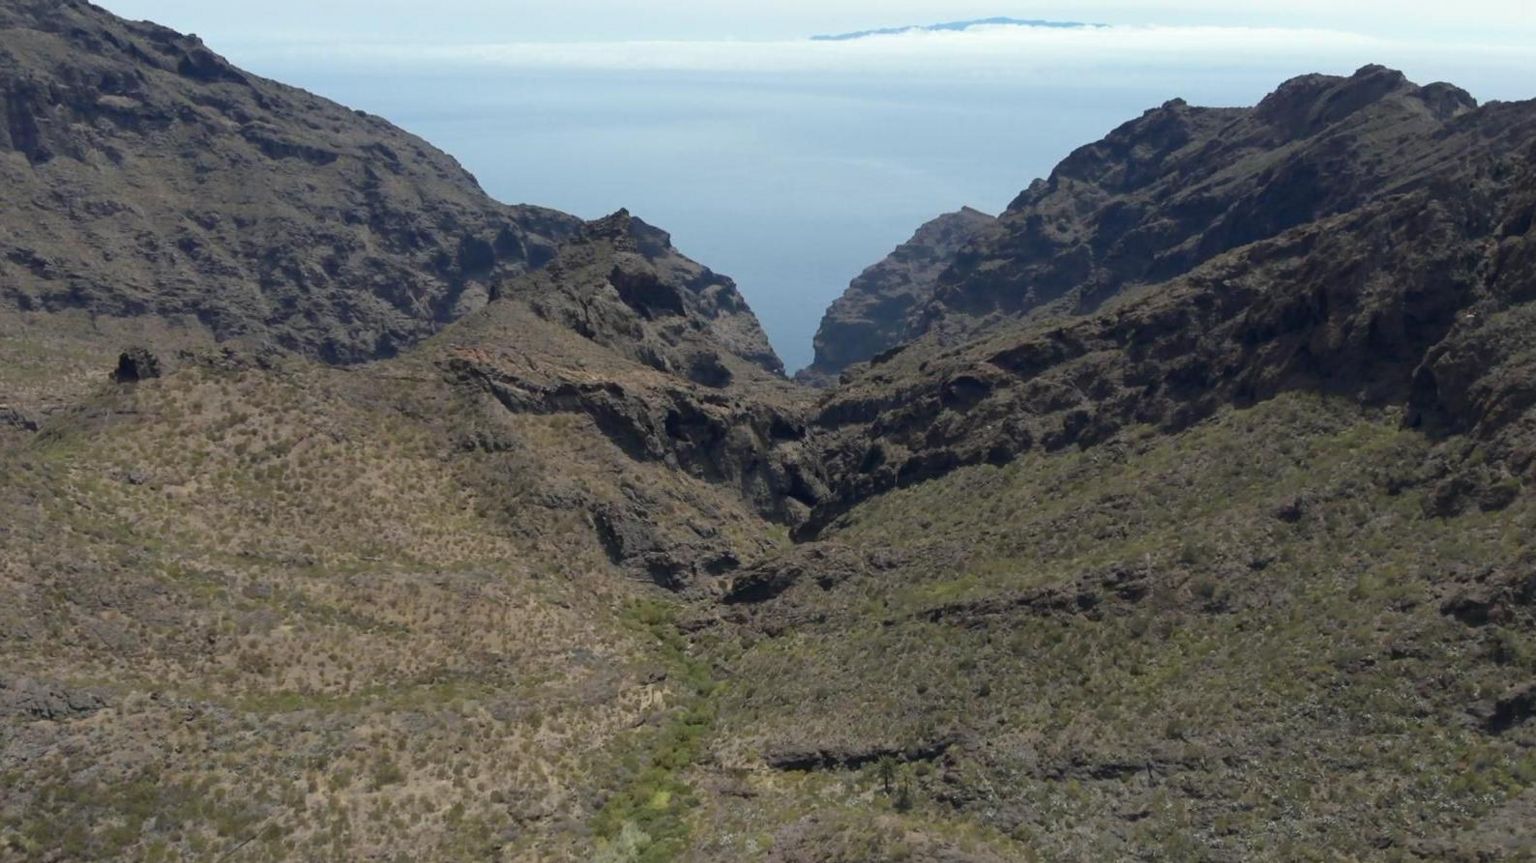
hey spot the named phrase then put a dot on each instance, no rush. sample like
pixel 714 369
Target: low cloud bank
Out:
pixel 982 48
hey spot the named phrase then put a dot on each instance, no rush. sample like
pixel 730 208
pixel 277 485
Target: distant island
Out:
pixel 957 26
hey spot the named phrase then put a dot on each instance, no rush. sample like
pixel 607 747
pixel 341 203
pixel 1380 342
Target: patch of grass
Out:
pixel 645 820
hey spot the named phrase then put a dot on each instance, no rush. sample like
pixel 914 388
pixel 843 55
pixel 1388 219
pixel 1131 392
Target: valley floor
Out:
pixel 274 613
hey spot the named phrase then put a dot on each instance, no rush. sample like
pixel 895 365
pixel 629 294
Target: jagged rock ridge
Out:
pixel 1159 196
pixel 621 283
pixel 146 175
pixel 674 370
pixel 1183 184
pixel 1325 266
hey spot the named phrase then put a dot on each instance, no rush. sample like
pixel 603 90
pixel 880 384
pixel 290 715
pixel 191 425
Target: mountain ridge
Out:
pixel 330 232
pixel 1212 168
pixel 1031 289
pixel 1204 180
pixel 1192 524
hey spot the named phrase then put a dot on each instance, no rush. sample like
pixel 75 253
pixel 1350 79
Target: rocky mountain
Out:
pixel 1372 268
pixel 1167 496
pixel 620 282
pixel 147 177
pixel 1162 195
pixel 1181 185
pixel 1187 521
pixel 872 315
pixel 660 353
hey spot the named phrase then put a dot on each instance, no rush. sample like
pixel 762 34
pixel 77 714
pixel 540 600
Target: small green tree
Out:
pixel 885 768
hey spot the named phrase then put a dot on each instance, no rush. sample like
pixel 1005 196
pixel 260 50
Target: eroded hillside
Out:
pixel 1191 525
pixel 411 608
pixel 147 177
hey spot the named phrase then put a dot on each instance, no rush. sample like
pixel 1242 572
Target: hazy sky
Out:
pixel 790 164
pixel 538 20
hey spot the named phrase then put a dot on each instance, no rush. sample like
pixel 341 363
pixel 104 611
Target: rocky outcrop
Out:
pixel 1515 708
pixel 737 439
pixel 664 359
pixel 1182 185
pixel 12 418
pixel 145 175
pixel 1414 299
pixel 729 439
pixel 871 317
pixel 826 565
pixel 1481 379
pixel 1491 597
pixel 621 283
pixel 136 364
pixel 634 541
pixel 27 699
pixel 790 757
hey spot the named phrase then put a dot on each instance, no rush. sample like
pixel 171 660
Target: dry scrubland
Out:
pixel 1179 513
pixel 284 607
pixel 1243 642
pixel 292 612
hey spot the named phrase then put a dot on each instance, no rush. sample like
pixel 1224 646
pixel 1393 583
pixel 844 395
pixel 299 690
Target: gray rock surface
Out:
pixel 27 699
pixel 871 317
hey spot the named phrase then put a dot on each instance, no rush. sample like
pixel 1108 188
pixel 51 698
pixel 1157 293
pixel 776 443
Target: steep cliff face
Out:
pixel 1480 380
pixel 145 175
pixel 666 361
pixel 871 317
pixel 1182 184
pixel 1393 281
pixel 620 283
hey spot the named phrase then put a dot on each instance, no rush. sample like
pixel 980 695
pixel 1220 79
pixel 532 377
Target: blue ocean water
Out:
pixel 789 182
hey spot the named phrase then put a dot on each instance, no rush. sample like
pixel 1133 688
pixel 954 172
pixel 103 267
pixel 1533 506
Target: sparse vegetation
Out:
pixel 1152 639
pixel 1236 568
pixel 326 609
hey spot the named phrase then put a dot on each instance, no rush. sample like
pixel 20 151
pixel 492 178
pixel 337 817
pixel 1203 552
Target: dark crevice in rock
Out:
pixel 853 759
